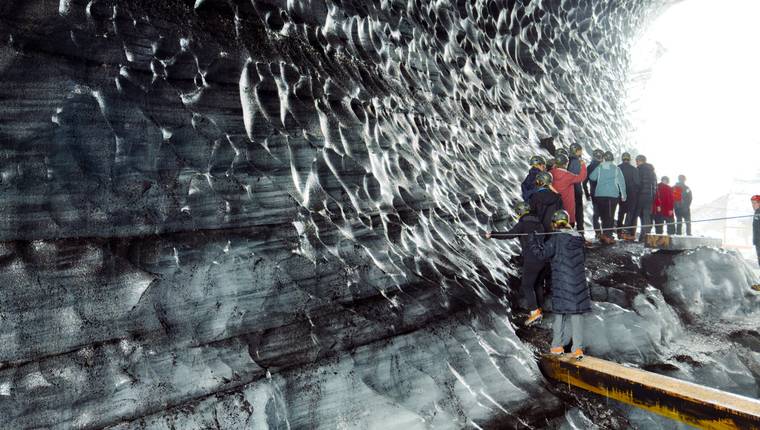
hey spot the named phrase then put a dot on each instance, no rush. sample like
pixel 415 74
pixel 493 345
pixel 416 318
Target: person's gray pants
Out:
pixel 566 327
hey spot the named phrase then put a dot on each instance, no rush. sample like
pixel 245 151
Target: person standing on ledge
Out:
pixel 682 198
pixel 756 225
pixel 533 268
pixel 574 166
pixel 610 186
pixel 598 155
pixel 627 212
pixel 537 164
pixel 647 190
pixel 571 297
pixel 544 202
pixel 564 183
pixel 663 207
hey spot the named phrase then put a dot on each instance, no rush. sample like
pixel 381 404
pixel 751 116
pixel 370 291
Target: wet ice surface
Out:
pixel 243 213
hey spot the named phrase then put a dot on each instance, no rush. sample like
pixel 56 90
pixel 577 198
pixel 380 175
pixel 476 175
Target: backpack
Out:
pixel 677 194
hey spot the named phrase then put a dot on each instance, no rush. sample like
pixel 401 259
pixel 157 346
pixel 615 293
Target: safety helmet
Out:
pixel 560 160
pixel 626 156
pixel 521 209
pixel 598 154
pixel 575 148
pixel 561 151
pixel 608 156
pixel 561 218
pixel 544 179
pixel 756 198
pixel 537 160
pixel 641 158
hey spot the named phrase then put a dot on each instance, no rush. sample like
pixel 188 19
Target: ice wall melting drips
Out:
pixel 260 198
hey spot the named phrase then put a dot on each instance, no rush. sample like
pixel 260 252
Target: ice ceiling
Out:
pixel 244 212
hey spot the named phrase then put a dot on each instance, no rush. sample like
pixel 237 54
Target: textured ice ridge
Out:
pixel 246 210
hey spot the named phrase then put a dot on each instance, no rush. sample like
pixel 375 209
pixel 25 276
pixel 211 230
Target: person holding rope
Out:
pixel 534 270
pixel 571 297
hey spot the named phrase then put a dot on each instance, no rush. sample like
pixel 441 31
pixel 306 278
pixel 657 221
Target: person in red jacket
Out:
pixel 662 209
pixel 564 183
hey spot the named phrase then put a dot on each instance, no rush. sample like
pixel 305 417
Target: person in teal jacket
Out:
pixel 610 186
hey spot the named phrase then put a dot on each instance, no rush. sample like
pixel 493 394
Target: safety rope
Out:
pixel 605 229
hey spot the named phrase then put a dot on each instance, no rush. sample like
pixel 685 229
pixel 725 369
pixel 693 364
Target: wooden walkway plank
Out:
pixel 700 406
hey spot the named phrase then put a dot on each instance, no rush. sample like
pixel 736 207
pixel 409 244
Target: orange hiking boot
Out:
pixel 534 317
pixel 577 354
pixel 557 350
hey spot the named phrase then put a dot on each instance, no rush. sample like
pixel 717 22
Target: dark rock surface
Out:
pixel 225 213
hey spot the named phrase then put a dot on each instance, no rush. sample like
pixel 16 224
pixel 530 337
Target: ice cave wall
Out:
pixel 245 211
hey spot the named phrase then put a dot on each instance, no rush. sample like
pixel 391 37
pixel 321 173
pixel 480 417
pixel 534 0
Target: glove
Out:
pixel 487 235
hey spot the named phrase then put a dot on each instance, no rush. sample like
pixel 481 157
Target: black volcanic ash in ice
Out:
pixel 261 198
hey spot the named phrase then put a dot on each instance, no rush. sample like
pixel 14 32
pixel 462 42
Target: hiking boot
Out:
pixel 577 354
pixel 607 240
pixel 534 317
pixel 557 350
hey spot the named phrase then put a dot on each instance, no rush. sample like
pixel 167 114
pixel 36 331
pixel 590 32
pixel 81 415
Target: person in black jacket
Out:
pixel 682 199
pixel 596 217
pixel 534 270
pixel 544 202
pixel 537 165
pixel 627 209
pixel 647 191
pixel 756 225
pixel 571 297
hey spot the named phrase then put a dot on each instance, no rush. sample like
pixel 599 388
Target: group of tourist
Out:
pixel 631 191
pixel 553 251
pixel 553 194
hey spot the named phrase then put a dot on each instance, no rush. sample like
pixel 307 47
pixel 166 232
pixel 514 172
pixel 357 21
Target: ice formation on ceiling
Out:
pixel 246 211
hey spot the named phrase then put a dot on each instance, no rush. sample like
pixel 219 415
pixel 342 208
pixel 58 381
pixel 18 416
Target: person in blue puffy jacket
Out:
pixel 610 186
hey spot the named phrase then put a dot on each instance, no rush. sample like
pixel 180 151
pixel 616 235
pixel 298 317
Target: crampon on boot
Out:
pixel 534 317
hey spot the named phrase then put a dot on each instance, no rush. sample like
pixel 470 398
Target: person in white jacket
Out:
pixel 610 186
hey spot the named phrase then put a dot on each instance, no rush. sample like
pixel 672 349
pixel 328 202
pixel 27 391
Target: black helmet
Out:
pixel 544 179
pixel 560 160
pixel 537 160
pixel 561 218
pixel 521 209
pixel 575 148
pixel 626 156
pixel 598 154
pixel 609 156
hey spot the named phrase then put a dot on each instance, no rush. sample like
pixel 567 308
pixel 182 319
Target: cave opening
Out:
pixel 693 107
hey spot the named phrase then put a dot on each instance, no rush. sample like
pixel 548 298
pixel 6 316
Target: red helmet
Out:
pixel 756 198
